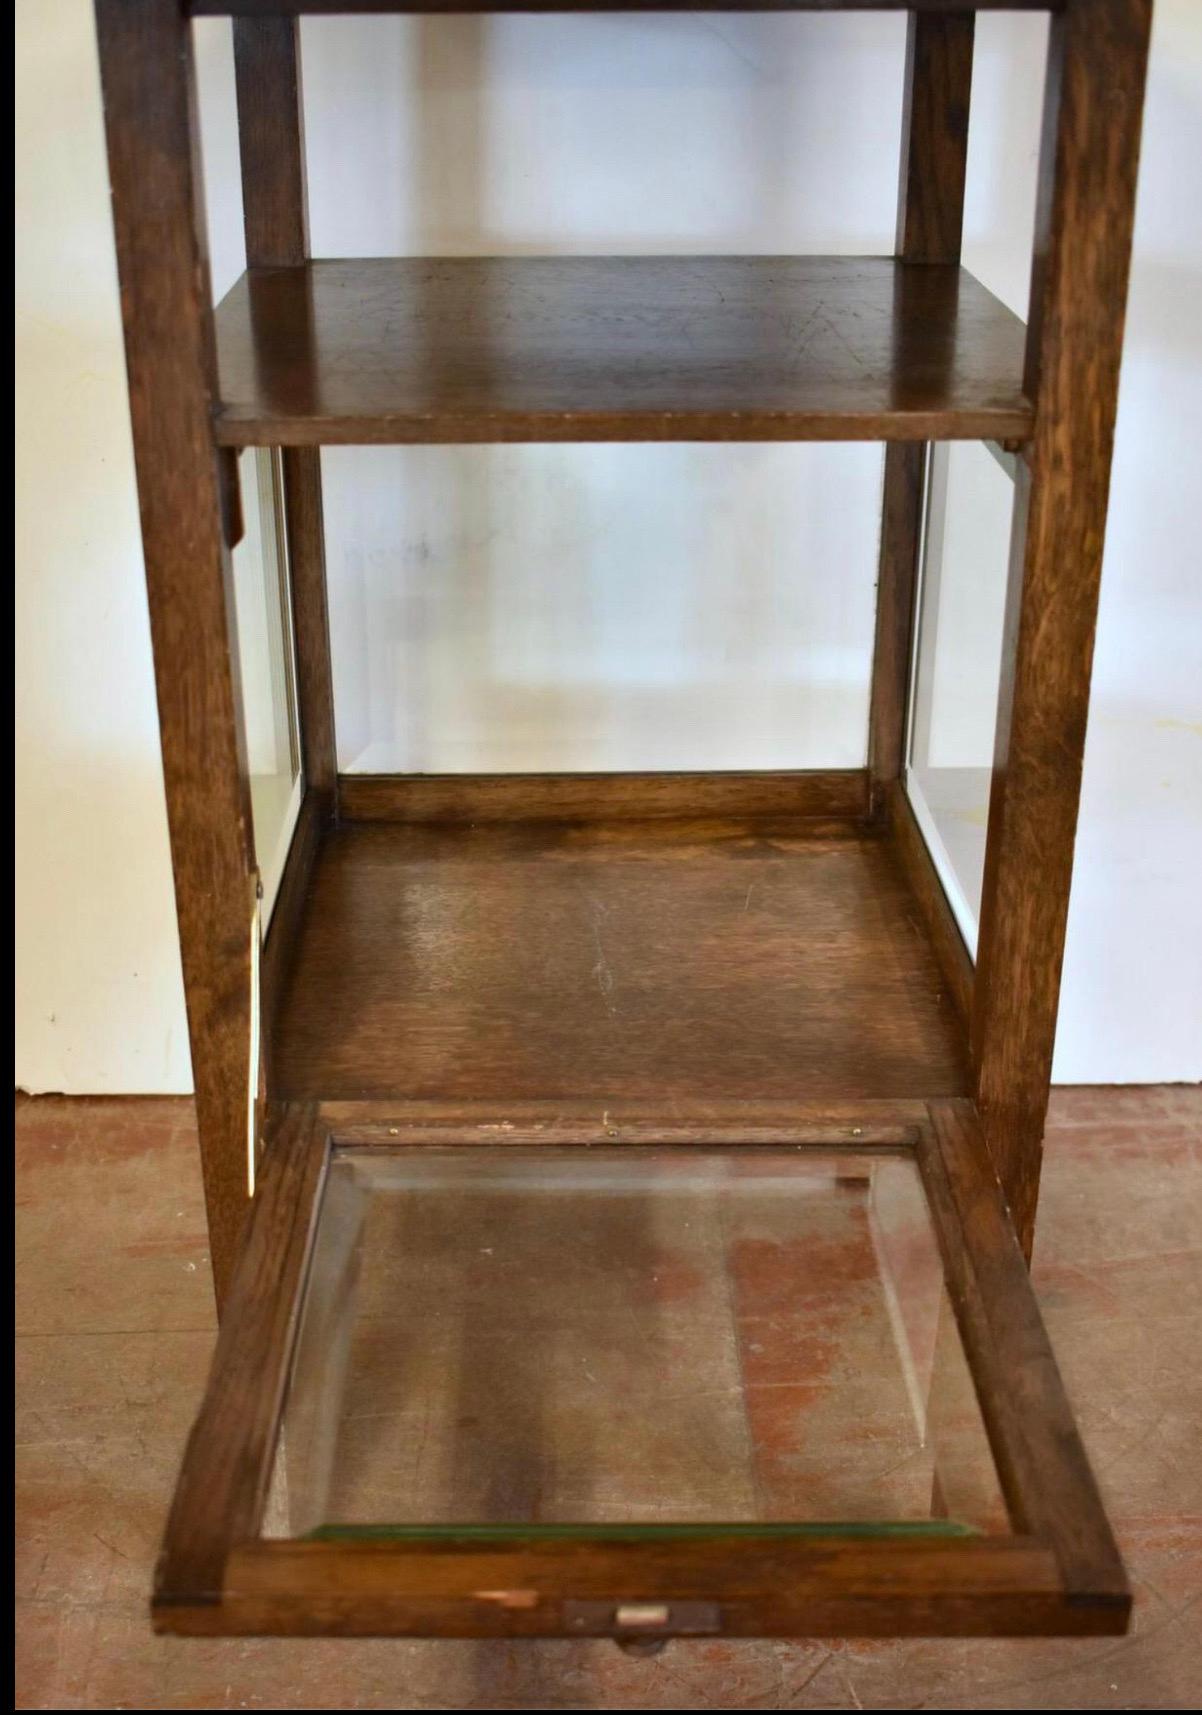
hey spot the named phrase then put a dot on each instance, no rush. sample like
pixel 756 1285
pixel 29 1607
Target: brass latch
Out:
pixel 642 1628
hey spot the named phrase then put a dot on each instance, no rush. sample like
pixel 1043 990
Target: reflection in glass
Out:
pixel 265 654
pixel 631 1336
pixel 961 613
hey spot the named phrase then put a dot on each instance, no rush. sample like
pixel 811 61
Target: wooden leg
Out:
pixel 1079 284
pixel 146 69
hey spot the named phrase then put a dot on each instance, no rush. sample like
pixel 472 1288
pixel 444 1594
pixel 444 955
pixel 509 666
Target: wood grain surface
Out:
pixel 1084 218
pixel 930 213
pixel 271 141
pixel 839 795
pixel 761 1587
pixel 227 1464
pixel 147 79
pixel 616 348
pixel 1049 1485
pixel 669 961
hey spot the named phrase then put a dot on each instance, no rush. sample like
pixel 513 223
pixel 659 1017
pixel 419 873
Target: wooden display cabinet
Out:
pixel 425 1064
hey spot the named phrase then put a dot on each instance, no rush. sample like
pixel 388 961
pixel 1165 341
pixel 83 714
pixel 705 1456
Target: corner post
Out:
pixel 1093 104
pixel 158 220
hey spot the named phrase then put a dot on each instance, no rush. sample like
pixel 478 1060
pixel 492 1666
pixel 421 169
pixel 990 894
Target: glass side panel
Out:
pixel 957 664
pixel 266 663
pixel 628 1337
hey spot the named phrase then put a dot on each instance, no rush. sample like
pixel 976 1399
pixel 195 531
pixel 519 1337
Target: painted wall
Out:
pixel 99 997
pixel 584 607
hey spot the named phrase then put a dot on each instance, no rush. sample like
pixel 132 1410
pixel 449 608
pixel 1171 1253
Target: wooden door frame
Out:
pixel 1059 1571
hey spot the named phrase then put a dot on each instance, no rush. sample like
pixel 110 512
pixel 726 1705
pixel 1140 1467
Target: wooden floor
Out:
pixel 737 962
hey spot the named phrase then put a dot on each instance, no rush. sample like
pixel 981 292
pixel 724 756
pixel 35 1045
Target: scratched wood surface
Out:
pixel 609 348
pixel 751 961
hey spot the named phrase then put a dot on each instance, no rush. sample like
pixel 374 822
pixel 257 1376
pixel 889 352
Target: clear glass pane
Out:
pixel 266 661
pixel 957 664
pixel 633 1336
pixel 591 607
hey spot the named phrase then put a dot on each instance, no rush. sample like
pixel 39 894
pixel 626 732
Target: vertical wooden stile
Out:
pixel 930 207
pixel 158 219
pixel 1085 212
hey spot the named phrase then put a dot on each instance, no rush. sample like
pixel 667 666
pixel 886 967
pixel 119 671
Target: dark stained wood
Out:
pixel 146 71
pixel 1078 298
pixel 1060 1575
pixel 889 1125
pixel 275 208
pixel 763 1586
pixel 930 211
pixel 258 8
pixel 271 141
pixel 305 528
pixel 616 348
pixel 1045 1474
pixel 938 920
pixel 934 151
pixel 279 946
pixel 233 523
pixel 897 580
pixel 226 1469
pixel 837 794
pixel 659 962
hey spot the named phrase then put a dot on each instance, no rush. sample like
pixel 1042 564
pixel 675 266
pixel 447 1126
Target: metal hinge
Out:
pixel 233 524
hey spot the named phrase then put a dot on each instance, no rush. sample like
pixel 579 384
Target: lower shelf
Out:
pixel 672 962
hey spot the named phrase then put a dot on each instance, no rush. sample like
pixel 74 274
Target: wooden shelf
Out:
pixel 669 963
pixel 616 348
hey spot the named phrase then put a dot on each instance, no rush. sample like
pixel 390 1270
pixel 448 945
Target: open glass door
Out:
pixel 540 1380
